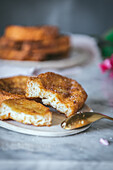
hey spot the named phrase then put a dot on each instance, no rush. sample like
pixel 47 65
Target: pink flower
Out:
pixel 104 141
pixel 107 64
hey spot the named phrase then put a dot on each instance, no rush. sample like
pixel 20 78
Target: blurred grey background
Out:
pixel 76 16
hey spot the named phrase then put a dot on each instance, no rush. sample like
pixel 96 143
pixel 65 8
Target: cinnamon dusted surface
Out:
pixel 68 91
pixel 13 87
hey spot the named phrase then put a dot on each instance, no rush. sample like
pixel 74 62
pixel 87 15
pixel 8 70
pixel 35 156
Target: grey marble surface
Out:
pixel 81 151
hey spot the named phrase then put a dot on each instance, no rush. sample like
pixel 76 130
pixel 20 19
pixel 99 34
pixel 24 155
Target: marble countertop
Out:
pixel 81 151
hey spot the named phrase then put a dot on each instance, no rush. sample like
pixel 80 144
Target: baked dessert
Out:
pixel 25 111
pixel 12 88
pixel 33 43
pixel 31 50
pixel 29 33
pixel 64 94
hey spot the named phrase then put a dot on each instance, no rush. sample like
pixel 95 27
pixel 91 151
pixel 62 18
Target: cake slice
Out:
pixel 62 93
pixel 26 111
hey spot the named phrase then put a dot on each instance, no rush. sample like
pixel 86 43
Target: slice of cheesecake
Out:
pixel 26 111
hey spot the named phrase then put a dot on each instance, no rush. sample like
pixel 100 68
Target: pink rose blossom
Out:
pixel 107 64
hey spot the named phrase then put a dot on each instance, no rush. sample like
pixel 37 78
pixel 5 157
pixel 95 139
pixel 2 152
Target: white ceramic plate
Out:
pixel 77 56
pixel 53 131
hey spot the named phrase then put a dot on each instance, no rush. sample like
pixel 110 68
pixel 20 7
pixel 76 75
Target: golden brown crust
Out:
pixel 68 91
pixel 13 87
pixel 20 33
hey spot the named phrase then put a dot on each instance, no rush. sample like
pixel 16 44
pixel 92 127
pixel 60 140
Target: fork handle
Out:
pixel 107 117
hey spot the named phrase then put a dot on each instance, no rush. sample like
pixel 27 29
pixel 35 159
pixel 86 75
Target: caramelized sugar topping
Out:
pixel 14 85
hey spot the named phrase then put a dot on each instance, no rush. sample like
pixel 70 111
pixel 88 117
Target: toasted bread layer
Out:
pixel 13 87
pixel 20 33
pixel 62 93
pixel 25 111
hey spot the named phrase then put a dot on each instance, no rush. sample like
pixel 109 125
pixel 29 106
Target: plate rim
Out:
pixel 27 131
pixel 11 127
